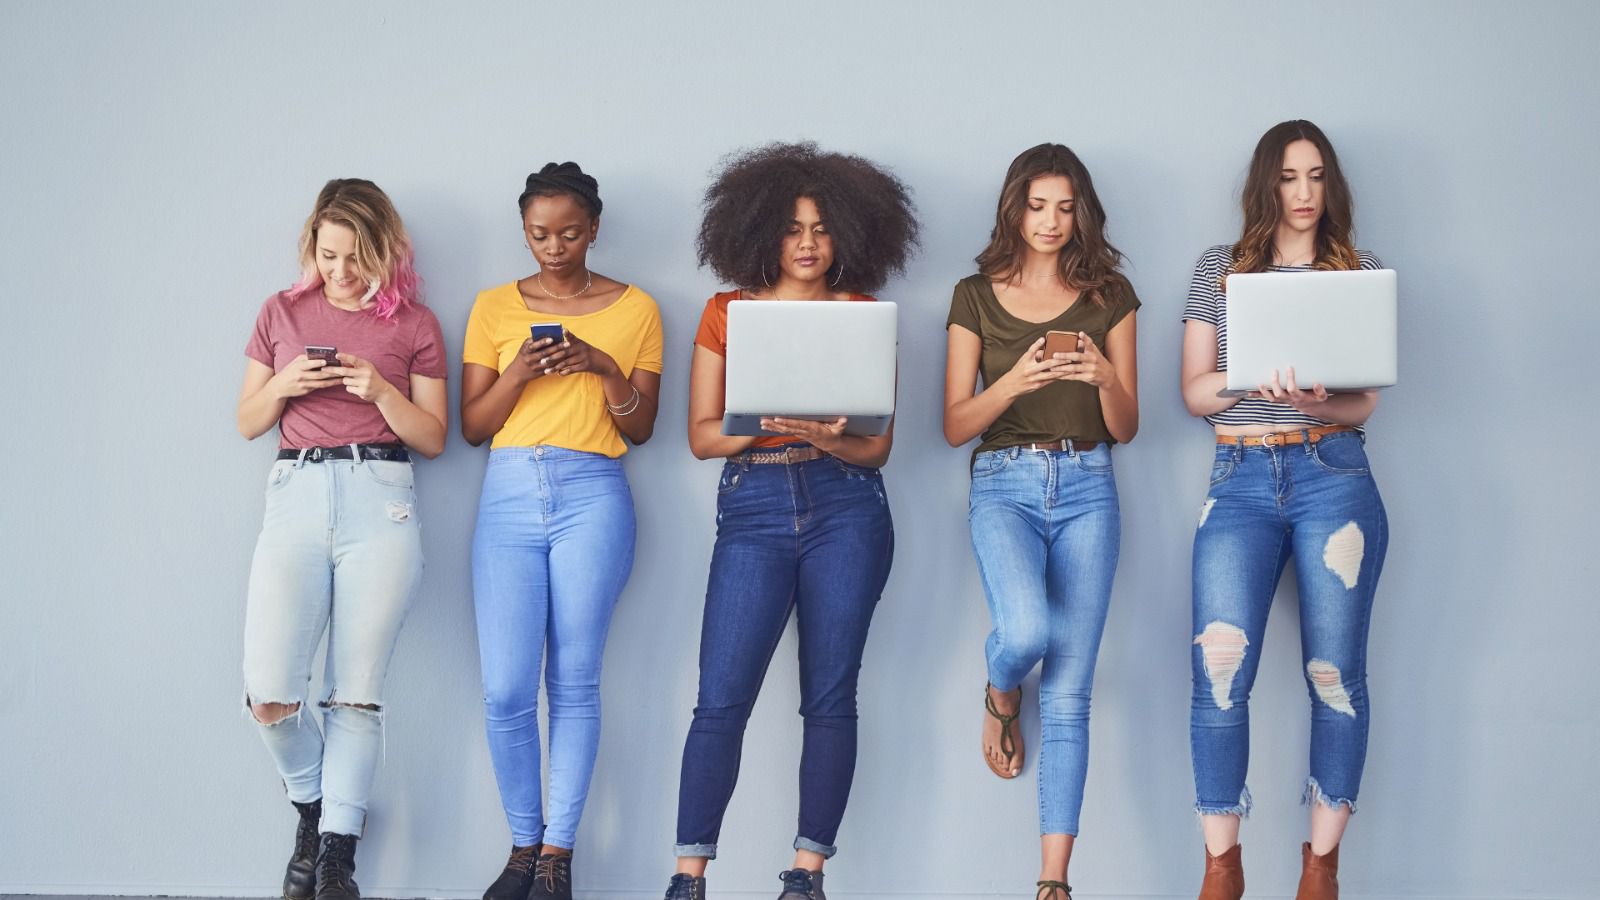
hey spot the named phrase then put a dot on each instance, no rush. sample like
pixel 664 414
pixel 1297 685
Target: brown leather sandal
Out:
pixel 1010 736
pixel 1051 890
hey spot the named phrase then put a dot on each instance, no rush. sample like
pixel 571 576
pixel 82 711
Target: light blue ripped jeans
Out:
pixel 1047 529
pixel 1318 503
pixel 340 550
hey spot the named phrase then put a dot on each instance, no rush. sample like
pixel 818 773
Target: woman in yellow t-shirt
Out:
pixel 555 532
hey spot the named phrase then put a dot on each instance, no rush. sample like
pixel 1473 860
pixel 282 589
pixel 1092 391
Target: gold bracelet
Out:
pixel 626 407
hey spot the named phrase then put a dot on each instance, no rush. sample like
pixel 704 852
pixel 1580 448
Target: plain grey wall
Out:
pixel 159 158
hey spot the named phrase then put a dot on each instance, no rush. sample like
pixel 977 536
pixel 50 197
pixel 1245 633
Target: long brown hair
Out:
pixel 1263 209
pixel 1088 262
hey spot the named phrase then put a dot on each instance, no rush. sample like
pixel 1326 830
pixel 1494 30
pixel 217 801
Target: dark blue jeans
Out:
pixel 815 537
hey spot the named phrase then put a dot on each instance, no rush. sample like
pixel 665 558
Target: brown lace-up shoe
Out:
pixel 1224 876
pixel 1319 875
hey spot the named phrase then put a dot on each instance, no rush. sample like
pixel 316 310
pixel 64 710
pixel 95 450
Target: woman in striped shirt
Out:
pixel 1297 217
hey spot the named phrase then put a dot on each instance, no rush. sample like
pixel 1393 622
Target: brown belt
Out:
pixel 786 456
pixel 1284 438
pixel 1066 444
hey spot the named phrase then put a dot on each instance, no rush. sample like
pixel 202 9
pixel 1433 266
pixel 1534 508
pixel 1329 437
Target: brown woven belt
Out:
pixel 784 457
pixel 1284 438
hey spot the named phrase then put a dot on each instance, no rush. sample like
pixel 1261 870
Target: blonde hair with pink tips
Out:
pixel 383 250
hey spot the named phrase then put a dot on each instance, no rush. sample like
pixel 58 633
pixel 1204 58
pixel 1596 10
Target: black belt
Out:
pixel 386 452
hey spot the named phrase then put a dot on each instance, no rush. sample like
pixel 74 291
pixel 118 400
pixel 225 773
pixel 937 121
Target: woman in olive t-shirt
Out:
pixel 1043 509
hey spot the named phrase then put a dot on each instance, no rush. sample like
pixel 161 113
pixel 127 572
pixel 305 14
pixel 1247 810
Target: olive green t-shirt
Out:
pixel 1061 409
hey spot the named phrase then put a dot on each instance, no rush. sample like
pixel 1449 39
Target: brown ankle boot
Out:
pixel 1224 876
pixel 1319 875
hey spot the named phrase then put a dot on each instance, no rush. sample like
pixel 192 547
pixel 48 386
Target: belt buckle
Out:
pixel 315 455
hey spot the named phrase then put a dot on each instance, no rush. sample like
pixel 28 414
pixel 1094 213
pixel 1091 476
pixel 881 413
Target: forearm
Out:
pixel 418 429
pixel 1120 409
pixel 870 452
pixel 1200 394
pixel 484 415
pixel 1345 409
pixel 260 411
pixel 706 440
pixel 966 419
pixel 637 419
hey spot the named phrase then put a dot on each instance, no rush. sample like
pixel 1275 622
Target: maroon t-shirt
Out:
pixel 409 343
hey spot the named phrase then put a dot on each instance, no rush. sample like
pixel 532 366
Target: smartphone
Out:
pixel 1061 342
pixel 553 330
pixel 328 354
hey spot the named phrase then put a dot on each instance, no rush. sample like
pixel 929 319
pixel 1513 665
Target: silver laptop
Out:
pixel 810 359
pixel 1337 329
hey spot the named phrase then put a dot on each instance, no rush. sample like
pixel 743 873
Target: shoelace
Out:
pixel 798 880
pixel 522 859
pixel 305 838
pixel 337 865
pixel 552 869
pixel 681 887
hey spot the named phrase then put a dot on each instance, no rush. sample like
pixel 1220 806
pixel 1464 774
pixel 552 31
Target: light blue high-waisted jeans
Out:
pixel 1318 503
pixel 340 550
pixel 1046 528
pixel 551 554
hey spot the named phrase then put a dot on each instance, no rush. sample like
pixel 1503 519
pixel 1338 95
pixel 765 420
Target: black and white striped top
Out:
pixel 1207 303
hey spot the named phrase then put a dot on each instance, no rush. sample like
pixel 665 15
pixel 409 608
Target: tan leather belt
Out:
pixel 1284 438
pixel 786 456
pixel 1066 444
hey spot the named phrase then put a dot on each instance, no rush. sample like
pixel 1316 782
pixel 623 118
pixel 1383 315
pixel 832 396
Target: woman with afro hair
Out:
pixel 802 519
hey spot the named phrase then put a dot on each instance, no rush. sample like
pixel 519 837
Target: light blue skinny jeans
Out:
pixel 1046 529
pixel 340 550
pixel 1318 503
pixel 552 551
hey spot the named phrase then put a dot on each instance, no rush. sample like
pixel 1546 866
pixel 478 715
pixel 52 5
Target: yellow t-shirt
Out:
pixel 564 410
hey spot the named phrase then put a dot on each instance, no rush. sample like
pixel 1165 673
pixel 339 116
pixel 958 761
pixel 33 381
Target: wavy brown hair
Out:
pixel 1263 209
pixel 383 249
pixel 1088 262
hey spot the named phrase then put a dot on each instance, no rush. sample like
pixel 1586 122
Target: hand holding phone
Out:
pixel 329 355
pixel 552 330
pixel 1061 342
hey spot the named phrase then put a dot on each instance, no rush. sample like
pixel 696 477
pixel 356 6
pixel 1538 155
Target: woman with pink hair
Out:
pixel 350 366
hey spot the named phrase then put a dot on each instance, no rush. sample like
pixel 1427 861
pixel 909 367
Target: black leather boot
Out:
pixel 300 878
pixel 336 868
pixel 517 876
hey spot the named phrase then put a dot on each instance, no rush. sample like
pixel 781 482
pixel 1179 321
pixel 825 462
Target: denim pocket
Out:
pixel 1096 461
pixel 1222 468
pixel 989 462
pixel 1341 454
pixel 732 477
pixel 389 473
pixel 279 474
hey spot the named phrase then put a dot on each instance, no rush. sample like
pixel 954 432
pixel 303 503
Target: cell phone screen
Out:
pixel 330 355
pixel 552 330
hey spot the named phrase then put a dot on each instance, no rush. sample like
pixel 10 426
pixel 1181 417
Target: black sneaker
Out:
pixel 552 877
pixel 336 868
pixel 801 884
pixel 686 887
pixel 514 882
pixel 300 878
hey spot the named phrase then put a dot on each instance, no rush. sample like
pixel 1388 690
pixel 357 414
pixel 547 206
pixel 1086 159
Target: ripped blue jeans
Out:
pixel 340 551
pixel 1318 503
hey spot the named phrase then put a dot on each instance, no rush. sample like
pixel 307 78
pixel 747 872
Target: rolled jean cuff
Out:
pixel 704 851
pixel 1313 796
pixel 823 850
pixel 1240 809
pixel 342 818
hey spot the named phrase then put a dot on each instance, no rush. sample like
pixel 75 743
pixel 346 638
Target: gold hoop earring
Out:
pixel 764 275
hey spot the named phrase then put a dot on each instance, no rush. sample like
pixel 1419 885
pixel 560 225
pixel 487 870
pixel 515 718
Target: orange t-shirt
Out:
pixel 713 335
